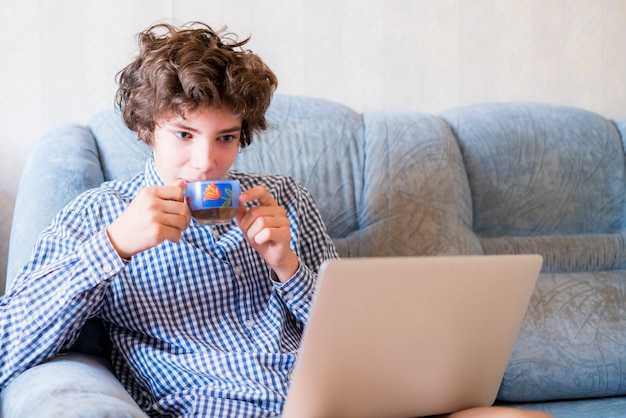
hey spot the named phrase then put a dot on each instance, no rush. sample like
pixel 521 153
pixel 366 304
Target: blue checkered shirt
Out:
pixel 199 328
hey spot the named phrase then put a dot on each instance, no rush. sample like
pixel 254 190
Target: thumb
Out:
pixel 179 183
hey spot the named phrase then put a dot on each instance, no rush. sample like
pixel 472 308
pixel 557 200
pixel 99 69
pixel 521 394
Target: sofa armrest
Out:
pixel 63 163
pixel 72 385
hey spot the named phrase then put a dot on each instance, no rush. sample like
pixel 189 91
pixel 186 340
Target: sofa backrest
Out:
pixel 544 178
pixel 417 199
pixel 494 178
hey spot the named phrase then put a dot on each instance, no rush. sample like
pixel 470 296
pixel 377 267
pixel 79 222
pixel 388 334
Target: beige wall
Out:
pixel 59 57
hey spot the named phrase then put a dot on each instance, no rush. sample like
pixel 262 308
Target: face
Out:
pixel 202 146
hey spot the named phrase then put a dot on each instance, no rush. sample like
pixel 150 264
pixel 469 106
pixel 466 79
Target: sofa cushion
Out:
pixel 571 343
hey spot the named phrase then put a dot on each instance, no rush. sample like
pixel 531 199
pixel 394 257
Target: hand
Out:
pixel 266 228
pixel 158 213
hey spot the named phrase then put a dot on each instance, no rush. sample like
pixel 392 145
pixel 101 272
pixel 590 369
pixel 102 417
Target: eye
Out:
pixel 183 135
pixel 227 138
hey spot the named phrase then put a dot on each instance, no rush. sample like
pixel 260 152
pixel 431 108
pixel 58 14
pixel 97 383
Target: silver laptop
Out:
pixel 409 336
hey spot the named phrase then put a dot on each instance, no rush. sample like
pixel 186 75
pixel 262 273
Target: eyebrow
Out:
pixel 181 125
pixel 230 130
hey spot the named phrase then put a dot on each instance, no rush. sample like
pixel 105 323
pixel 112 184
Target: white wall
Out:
pixel 59 57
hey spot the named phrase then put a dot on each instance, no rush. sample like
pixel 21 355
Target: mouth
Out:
pixel 186 180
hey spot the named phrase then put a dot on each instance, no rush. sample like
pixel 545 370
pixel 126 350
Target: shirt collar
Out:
pixel 152 175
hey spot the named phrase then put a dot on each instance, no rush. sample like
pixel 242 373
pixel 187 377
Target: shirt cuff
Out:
pixel 297 292
pixel 101 259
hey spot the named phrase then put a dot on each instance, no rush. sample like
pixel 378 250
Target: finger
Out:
pixel 178 220
pixel 157 233
pixel 241 212
pixel 262 216
pixel 170 225
pixel 270 234
pixel 259 224
pixel 174 207
pixel 171 192
pixel 260 194
pixel 166 213
pixel 172 232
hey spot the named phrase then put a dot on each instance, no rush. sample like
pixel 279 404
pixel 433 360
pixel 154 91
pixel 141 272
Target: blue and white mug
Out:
pixel 213 201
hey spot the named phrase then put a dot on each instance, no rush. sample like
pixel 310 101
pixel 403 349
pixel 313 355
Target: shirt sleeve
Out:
pixel 313 246
pixel 297 292
pixel 62 286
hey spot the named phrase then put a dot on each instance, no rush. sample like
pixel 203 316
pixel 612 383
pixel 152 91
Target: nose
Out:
pixel 202 156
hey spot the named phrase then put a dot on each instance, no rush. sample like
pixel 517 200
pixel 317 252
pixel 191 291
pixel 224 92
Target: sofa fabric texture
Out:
pixel 84 387
pixel 493 178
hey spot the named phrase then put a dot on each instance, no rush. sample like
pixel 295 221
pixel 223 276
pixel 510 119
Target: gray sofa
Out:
pixel 493 178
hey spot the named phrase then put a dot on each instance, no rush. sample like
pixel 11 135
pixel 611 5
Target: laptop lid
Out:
pixel 409 336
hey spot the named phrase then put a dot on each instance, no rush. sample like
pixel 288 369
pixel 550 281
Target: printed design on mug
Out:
pixel 217 196
pixel 212 192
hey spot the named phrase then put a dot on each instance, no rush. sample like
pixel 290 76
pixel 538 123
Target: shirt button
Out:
pixel 216 233
pixel 107 268
pixel 249 323
pixel 288 296
pixel 237 270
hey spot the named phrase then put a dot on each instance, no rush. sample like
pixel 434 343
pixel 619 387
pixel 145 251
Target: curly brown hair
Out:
pixel 179 70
